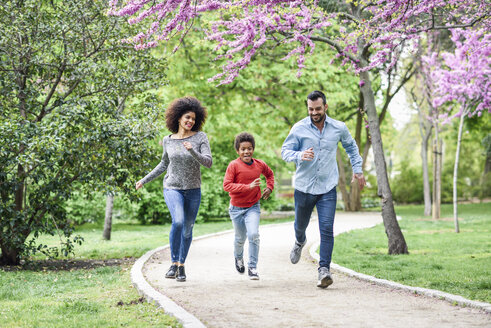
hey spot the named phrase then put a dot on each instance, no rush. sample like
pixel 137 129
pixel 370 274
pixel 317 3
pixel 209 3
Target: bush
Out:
pixel 151 207
pixel 407 187
pixel 82 208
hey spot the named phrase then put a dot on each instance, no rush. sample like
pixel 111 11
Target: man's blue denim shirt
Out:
pixel 321 174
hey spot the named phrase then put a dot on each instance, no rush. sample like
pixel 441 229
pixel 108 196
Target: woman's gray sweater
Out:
pixel 182 165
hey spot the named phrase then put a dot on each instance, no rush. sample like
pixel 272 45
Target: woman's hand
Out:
pixel 138 185
pixel 266 193
pixel 187 145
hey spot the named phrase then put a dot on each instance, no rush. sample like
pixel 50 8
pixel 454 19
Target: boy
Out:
pixel 242 180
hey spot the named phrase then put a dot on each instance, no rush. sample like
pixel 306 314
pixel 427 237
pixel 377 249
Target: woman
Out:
pixel 184 152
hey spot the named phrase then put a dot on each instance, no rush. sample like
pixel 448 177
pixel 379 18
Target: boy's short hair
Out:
pixel 244 137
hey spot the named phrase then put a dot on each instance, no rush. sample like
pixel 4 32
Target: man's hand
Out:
pixel 138 185
pixel 308 154
pixel 266 193
pixel 255 183
pixel 360 178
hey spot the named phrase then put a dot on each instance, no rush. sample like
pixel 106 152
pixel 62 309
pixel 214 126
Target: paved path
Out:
pixel 286 295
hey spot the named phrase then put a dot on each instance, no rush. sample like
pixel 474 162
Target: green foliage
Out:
pixel 151 205
pixel 266 100
pixel 407 187
pixel 90 208
pixel 65 82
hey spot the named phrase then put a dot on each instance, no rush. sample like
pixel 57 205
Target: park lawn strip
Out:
pixel 98 297
pixel 127 240
pixel 439 258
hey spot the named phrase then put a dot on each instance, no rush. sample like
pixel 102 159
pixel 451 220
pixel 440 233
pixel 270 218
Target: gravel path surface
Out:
pixel 286 295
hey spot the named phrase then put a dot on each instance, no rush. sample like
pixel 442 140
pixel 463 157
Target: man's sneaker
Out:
pixel 297 251
pixel 253 274
pixel 172 273
pixel 181 274
pixel 239 265
pixel 325 278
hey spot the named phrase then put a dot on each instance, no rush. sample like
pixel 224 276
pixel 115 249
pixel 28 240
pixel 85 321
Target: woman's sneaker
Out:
pixel 172 273
pixel 253 274
pixel 239 265
pixel 181 274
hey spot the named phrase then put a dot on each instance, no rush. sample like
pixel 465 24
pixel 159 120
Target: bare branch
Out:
pixel 335 45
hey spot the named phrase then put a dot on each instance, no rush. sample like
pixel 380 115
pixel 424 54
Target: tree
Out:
pixel 265 100
pixel 464 81
pixel 367 33
pixel 62 69
pixel 421 94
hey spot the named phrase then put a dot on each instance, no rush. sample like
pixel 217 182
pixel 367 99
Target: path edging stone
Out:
pixel 154 296
pixel 456 299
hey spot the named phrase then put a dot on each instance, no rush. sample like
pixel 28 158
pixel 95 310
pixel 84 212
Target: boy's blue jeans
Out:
pixel 183 206
pixel 246 224
pixel 326 208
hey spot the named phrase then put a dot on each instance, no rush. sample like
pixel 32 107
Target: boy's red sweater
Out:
pixel 240 175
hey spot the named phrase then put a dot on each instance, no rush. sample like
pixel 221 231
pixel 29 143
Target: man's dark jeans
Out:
pixel 326 209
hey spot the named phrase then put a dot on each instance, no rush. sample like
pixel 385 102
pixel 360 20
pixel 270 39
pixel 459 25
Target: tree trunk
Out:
pixel 9 256
pixel 425 132
pixel 426 178
pixel 342 182
pixel 355 197
pixel 396 242
pixel 487 165
pixel 355 194
pixel 437 174
pixel 106 234
pixel 455 173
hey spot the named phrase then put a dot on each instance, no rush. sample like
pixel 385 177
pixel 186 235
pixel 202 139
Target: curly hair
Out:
pixel 178 107
pixel 244 137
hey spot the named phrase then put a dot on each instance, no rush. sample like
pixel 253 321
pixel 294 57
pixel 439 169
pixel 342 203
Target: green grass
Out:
pixel 127 240
pixel 78 298
pixel 438 257
pixel 98 297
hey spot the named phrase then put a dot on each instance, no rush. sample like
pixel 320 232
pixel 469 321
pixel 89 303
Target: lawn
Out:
pixel 63 294
pixel 438 257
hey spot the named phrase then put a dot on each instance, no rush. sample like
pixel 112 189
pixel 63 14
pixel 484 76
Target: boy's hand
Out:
pixel 266 193
pixel 138 185
pixel 255 183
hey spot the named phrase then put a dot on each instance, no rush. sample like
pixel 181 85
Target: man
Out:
pixel 312 144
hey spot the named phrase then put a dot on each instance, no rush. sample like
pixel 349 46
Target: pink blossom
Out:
pixel 367 40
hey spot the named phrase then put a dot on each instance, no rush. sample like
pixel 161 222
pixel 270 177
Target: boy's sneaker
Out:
pixel 239 265
pixel 325 278
pixel 253 274
pixel 297 251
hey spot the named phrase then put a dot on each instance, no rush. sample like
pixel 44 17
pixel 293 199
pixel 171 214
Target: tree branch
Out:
pixel 335 45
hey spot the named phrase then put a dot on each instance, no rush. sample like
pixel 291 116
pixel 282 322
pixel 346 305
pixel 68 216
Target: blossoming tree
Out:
pixel 365 33
pixel 463 82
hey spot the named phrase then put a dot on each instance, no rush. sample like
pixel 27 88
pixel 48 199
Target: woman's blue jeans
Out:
pixel 183 206
pixel 246 224
pixel 326 208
